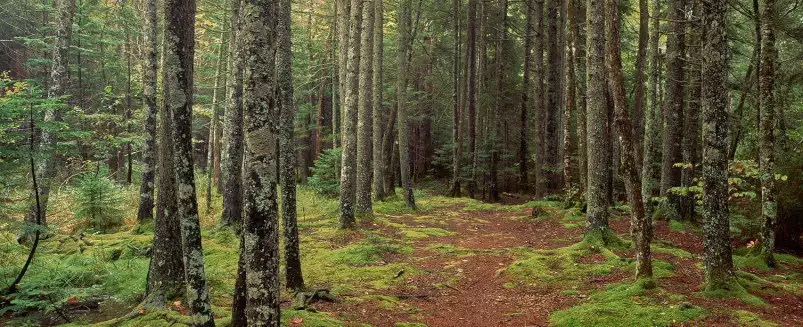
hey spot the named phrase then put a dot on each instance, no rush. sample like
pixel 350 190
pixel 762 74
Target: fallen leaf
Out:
pixel 296 321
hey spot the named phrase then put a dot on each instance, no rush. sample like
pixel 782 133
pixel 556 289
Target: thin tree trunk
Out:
pixel 342 8
pixel 580 80
pixel 365 114
pixel 569 96
pixel 496 141
pixel 457 141
pixel 540 110
pixel 214 126
pixel 673 107
pixel 404 124
pixel 640 224
pixel 551 120
pixel 638 97
pixel 717 260
pixel 348 172
pixel 388 145
pixel 378 153
pixel 767 131
pixel 471 74
pixel 233 131
pixel 691 124
pixel 261 216
pixel 146 188
pixel 524 155
pixel 650 186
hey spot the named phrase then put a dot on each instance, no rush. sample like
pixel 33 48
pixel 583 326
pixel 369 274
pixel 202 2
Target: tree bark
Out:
pixel 551 120
pixel 471 74
pixel 524 155
pixel 404 18
pixel 342 8
pixel 569 94
pixel 496 141
pixel 767 131
pixel 179 46
pixel 146 188
pixel 673 106
pixel 640 224
pixel 261 217
pixel 638 97
pixel 691 124
pixel 457 141
pixel 365 114
pixel 287 151
pixel 580 68
pixel 540 111
pixel 717 260
pixel 348 172
pixel 378 153
pixel 650 186
pixel 214 124
pixel 233 131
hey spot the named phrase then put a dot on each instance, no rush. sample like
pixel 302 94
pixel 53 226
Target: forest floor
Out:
pixel 453 262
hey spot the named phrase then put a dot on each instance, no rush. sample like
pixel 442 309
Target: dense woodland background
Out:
pixel 184 120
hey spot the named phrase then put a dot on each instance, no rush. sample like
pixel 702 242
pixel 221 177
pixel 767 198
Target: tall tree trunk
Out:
pixel 569 94
pixel 287 151
pixel 638 96
pixel 580 80
pixel 597 228
pixel 691 124
pixel 717 261
pixel 348 172
pixel 342 8
pixel 261 217
pixel 179 46
pixel 673 106
pixel 650 186
pixel 388 146
pixel 640 224
pixel 496 141
pixel 540 110
pixel 214 125
pixel 146 194
pixel 365 112
pixel 767 106
pixel 233 131
pixel 553 72
pixel 524 155
pixel 404 18
pixel 46 169
pixel 471 74
pixel 378 153
pixel 457 141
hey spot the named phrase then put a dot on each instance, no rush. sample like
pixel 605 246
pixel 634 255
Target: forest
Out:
pixel 401 163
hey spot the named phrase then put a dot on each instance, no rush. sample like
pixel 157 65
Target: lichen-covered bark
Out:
pixel 348 169
pixel 239 299
pixel 148 167
pixel 287 152
pixel 652 121
pixel 179 46
pixel 673 106
pixel 551 166
pixel 231 164
pixel 767 131
pixel 540 110
pixel 471 75
pixel 45 167
pixel 524 155
pixel 404 18
pixel 457 141
pixel 261 113
pixel 580 72
pixel 378 153
pixel 342 8
pixel 597 212
pixel 214 124
pixel 569 94
pixel 365 114
pixel 717 261
pixel 691 123
pixel 640 224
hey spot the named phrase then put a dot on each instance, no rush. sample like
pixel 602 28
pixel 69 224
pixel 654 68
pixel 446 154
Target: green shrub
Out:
pixel 325 173
pixel 98 202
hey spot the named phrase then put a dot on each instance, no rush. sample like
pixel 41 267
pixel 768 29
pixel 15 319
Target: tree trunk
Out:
pixel 348 172
pixel 597 213
pixel 287 151
pixel 261 218
pixel 580 68
pixel 233 131
pixel 496 141
pixel 691 124
pixel 457 141
pixel 404 18
pixel 650 186
pixel 342 12
pixel 388 145
pixel 569 95
pixel 365 112
pixel 767 132
pixel 179 46
pixel 540 111
pixel 214 125
pixel 551 120
pixel 640 224
pixel 146 194
pixel 638 97
pixel 471 74
pixel 717 261
pixel 673 106
pixel 524 155
pixel 378 153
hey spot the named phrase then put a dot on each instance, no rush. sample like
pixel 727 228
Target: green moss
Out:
pixel 424 232
pixel 668 248
pixel 676 226
pixel 749 319
pixel 561 265
pixel 735 287
pixel 625 305
pixel 449 250
pixel 311 319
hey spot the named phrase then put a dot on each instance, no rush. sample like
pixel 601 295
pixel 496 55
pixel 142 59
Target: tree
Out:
pixel 404 18
pixel 260 233
pixel 717 261
pixel 580 80
pixel 342 8
pixel 691 123
pixel 569 94
pixel 287 152
pixel 767 131
pixel 179 46
pixel 146 195
pixel 673 106
pixel 638 96
pixel 471 75
pixel 493 192
pixel 214 124
pixel 524 156
pixel 233 129
pixel 552 104
pixel 639 223
pixel 457 141
pixel 650 168
pixel 348 172
pixel 365 114
pixel 540 109
pixel 378 153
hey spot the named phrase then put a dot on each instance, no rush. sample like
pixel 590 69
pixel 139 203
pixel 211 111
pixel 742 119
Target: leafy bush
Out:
pixel 325 174
pixel 98 202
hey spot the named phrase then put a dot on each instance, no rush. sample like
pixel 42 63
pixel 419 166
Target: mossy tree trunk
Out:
pixel 348 169
pixel 287 151
pixel 673 106
pixel 404 22
pixel 148 167
pixel 640 224
pixel 260 240
pixel 580 80
pixel 343 10
pixel 767 131
pixel 716 222
pixel 650 185
pixel 365 114
pixel 378 153
pixel 569 101
pixel 233 130
pixel 179 46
